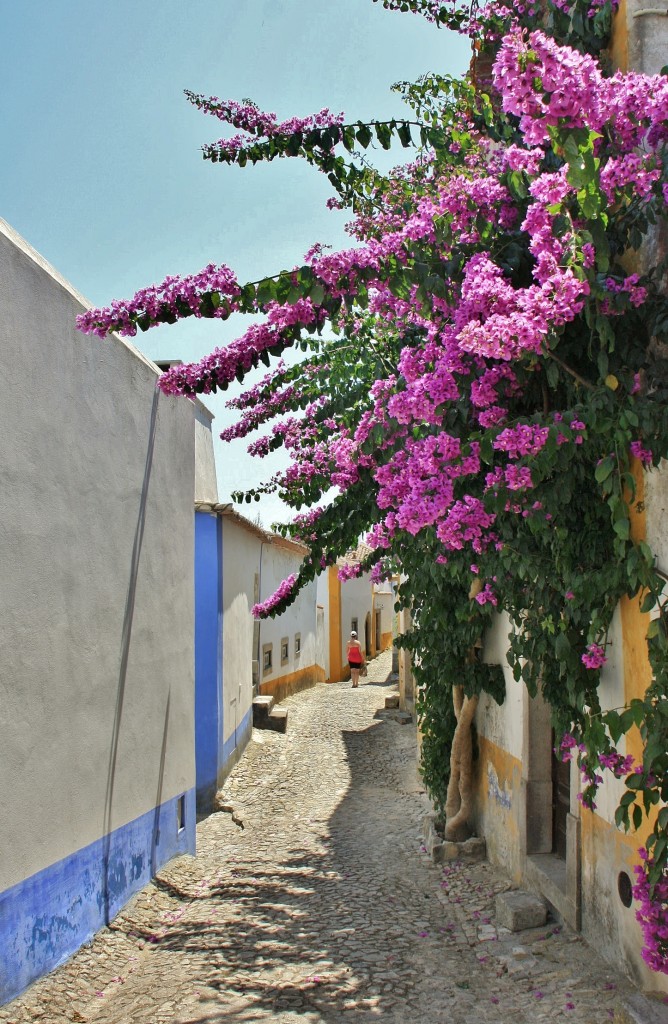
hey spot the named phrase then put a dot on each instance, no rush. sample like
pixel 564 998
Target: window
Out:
pixel 285 650
pixel 181 813
pixel 353 626
pixel 267 660
pixel 298 644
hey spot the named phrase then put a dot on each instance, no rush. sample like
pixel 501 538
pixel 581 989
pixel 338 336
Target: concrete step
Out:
pixel 277 720
pixel 517 910
pixel 394 715
pixel 266 716
pixel 262 707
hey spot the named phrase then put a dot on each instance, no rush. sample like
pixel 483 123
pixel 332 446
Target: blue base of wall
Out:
pixel 238 739
pixel 232 750
pixel 47 917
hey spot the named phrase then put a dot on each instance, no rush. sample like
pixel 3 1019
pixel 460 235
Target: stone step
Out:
pixel 277 720
pixel 517 910
pixel 394 715
pixel 266 716
pixel 262 707
pixel 392 701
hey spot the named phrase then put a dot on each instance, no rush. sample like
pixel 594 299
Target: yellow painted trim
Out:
pixel 637 670
pixel 293 682
pixel 619 45
pixel 335 657
pixel 497 782
pixel 637 509
pixel 621 848
pixel 385 640
pixel 507 767
pixel 605 847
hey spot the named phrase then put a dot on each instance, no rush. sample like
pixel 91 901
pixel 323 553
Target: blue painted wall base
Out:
pixel 208 656
pixel 47 917
pixel 234 744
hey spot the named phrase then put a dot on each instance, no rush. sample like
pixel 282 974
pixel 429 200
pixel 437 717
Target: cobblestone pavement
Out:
pixel 323 908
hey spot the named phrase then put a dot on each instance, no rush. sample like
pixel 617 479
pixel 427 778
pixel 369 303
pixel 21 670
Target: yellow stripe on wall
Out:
pixel 292 682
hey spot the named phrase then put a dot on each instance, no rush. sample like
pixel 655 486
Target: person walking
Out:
pixel 356 659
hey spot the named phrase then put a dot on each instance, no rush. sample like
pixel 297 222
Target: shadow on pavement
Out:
pixel 330 928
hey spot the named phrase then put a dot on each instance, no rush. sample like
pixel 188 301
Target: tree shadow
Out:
pixel 308 934
pixel 126 635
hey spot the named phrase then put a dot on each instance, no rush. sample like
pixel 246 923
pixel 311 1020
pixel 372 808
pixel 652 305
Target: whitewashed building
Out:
pixel 97 762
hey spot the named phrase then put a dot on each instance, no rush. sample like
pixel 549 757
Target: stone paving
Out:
pixel 324 907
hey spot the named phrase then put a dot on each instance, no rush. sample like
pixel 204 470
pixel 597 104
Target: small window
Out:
pixel 353 626
pixel 285 650
pixel 267 660
pixel 298 644
pixel 181 813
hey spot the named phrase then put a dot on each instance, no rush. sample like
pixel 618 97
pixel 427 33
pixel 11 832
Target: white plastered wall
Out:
pixel 322 602
pixel 241 562
pixel 206 486
pixel 279 562
pixel 501 724
pixel 383 602
pixel 356 601
pixel 96 575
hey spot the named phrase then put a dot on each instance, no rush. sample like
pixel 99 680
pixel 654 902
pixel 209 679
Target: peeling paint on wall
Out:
pixel 47 917
pixel 494 790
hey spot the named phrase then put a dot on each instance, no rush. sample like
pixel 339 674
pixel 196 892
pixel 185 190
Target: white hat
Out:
pixel 353 633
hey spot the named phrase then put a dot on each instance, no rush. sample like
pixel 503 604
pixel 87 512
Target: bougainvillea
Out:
pixel 480 371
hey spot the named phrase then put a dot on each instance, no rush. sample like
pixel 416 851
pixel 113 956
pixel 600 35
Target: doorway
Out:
pixel 561 802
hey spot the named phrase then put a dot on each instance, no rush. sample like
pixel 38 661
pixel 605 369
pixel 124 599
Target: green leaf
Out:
pixel 601 245
pixel 653 629
pixel 404 133
pixel 364 135
pixel 384 135
pixel 349 138
pixel 552 374
pixel 294 144
pixel 605 468
pixel 266 292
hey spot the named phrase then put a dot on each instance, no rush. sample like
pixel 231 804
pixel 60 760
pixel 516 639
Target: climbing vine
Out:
pixel 481 375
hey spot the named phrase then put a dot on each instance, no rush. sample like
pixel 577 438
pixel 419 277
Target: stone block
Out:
pixel 394 715
pixel 433 840
pixel 517 910
pixel 261 709
pixel 428 822
pixel 640 1009
pixel 392 701
pixel 470 850
pixel 277 720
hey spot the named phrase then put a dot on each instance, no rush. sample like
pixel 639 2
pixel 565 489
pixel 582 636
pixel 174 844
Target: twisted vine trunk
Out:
pixel 460 787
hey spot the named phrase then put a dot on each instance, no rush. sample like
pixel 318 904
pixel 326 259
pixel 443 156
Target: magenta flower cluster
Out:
pixel 256 124
pixel 652 914
pixel 284 591
pixel 173 298
pixel 594 657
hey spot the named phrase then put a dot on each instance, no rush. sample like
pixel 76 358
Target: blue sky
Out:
pixel 102 171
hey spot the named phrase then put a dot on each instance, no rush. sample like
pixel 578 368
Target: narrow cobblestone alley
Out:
pixel 323 907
